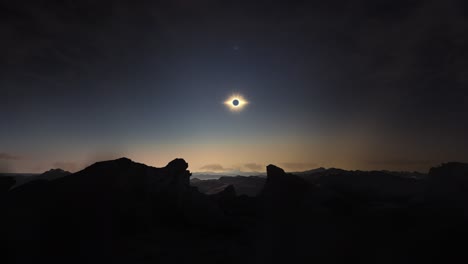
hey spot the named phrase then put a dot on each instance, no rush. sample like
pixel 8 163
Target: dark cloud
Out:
pixel 71 44
pixel 6 156
pixel 213 167
pixel 254 166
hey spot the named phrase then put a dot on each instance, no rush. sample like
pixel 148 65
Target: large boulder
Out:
pixel 281 188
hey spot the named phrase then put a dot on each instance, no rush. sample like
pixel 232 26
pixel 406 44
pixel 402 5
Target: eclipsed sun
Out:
pixel 236 102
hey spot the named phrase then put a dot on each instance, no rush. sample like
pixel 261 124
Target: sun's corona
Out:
pixel 236 102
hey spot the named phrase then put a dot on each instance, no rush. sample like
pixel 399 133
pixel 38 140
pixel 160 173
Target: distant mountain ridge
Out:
pixel 215 175
pixel 49 175
pixel 244 185
pixel 251 185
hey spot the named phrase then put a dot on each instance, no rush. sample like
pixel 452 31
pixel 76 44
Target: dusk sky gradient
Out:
pixel 349 84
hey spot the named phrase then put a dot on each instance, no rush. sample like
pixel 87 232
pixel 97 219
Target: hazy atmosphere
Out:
pixel 349 84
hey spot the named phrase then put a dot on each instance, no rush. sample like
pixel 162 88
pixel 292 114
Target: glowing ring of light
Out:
pixel 241 102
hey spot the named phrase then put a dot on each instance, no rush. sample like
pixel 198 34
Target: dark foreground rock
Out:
pixel 110 212
pixel 6 183
pixel 244 185
pixel 120 211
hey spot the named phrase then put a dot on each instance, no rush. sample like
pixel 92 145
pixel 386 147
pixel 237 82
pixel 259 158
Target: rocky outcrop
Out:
pixel 123 177
pixel 281 187
pixel 105 202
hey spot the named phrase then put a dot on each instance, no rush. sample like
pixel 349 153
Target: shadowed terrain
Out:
pixel 120 211
pixel 244 185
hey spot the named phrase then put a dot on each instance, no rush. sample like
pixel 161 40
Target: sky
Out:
pixel 351 84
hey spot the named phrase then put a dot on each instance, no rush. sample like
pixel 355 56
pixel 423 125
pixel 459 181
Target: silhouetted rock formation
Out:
pixel 283 190
pixel 281 184
pixel 103 204
pixel 119 211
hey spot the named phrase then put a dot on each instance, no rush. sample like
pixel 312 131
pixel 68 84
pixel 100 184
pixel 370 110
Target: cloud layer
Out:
pixel 213 167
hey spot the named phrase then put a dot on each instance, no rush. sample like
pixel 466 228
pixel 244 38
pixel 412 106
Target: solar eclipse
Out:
pixel 236 102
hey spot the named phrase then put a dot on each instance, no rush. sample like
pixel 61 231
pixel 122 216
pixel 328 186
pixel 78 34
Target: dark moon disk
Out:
pixel 235 102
